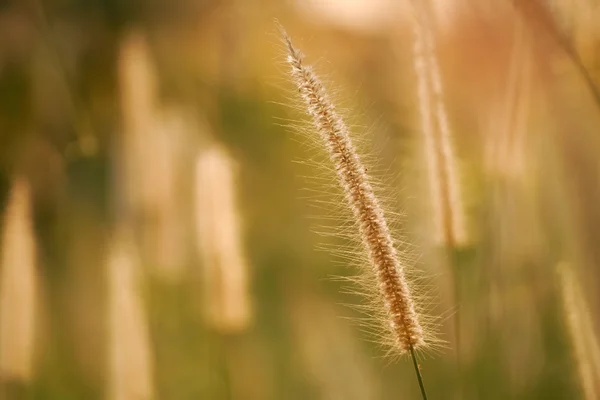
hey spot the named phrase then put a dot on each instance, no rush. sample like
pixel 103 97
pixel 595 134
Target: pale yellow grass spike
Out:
pixel 444 183
pixel 167 228
pixel 152 142
pixel 18 289
pixel 137 84
pixel 429 135
pixel 401 317
pixel 583 337
pixel 131 364
pixel 219 237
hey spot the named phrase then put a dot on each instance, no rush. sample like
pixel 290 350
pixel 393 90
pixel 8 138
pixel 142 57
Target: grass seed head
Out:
pixel 400 312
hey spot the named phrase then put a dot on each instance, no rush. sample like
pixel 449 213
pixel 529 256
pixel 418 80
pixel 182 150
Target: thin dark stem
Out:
pixel 418 372
pixel 45 29
pixel 583 71
pixel 570 51
pixel 456 280
pixel 457 274
pixel 545 18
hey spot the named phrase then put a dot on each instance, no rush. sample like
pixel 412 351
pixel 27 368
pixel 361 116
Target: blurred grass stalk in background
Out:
pixel 131 358
pixel 152 143
pixel 226 286
pixel 444 183
pixel 18 289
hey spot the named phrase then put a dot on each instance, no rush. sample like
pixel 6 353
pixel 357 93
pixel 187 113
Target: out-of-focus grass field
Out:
pixel 156 277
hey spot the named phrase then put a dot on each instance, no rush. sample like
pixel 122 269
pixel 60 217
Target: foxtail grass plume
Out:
pixel 131 364
pixel 581 332
pixel 219 241
pixel 18 289
pixel 402 319
pixel 447 204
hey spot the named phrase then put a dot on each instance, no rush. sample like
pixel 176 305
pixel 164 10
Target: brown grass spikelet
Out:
pixel 18 286
pixel 400 311
pixel 581 331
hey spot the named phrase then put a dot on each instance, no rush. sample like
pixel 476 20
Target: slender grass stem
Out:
pixel 546 21
pixel 457 293
pixel 418 372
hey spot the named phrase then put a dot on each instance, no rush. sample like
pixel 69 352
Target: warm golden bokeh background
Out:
pixel 160 239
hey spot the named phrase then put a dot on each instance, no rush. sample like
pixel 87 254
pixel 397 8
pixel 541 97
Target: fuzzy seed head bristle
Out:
pixel 393 288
